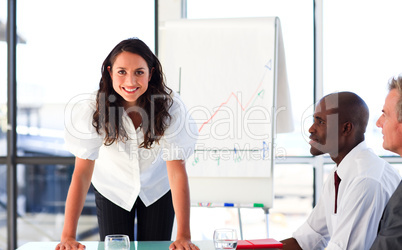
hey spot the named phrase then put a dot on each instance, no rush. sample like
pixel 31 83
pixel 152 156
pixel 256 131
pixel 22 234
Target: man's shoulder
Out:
pixel 398 193
pixel 370 165
pixel 394 206
pixel 366 158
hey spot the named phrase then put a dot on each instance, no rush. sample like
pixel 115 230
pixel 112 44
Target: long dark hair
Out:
pixel 153 105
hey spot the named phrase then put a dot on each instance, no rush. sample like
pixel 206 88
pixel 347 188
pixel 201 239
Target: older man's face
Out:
pixel 388 122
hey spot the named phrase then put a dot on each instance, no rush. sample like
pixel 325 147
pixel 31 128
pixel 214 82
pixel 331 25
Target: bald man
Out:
pixel 347 218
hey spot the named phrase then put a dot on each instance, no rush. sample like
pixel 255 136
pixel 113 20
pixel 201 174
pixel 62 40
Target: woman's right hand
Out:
pixel 81 180
pixel 69 244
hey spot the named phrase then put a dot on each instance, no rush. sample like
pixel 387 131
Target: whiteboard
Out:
pixel 226 73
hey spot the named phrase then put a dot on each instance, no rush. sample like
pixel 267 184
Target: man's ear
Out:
pixel 399 127
pixel 347 128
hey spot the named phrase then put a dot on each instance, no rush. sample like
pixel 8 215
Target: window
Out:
pixel 42 192
pixel 3 78
pixel 361 52
pixel 3 205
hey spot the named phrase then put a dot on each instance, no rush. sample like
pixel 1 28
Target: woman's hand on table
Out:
pixel 69 244
pixel 183 245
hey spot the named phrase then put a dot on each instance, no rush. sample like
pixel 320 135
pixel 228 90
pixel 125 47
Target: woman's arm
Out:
pixel 77 193
pixel 181 202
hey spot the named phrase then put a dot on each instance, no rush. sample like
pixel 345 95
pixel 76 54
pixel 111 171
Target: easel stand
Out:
pixel 266 212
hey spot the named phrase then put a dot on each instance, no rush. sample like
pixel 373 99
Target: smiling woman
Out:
pixel 134 111
pixel 130 76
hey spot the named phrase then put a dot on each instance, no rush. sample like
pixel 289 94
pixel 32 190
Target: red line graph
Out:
pixel 269 67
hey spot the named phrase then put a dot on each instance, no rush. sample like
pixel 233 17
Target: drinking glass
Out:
pixel 117 242
pixel 225 238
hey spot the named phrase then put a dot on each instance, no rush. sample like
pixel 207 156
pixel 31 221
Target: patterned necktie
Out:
pixel 337 181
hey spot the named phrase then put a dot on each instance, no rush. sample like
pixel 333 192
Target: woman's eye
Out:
pixel 121 72
pixel 140 72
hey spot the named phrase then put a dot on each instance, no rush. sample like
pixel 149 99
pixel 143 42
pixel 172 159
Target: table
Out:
pixel 135 245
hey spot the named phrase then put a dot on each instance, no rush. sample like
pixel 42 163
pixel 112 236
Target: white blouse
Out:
pixel 123 171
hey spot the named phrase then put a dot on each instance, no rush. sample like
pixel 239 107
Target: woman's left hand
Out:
pixel 183 245
pixel 181 202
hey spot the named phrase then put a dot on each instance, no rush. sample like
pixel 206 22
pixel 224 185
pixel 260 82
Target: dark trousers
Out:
pixel 154 223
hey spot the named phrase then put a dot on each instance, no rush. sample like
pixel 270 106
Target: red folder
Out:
pixel 258 244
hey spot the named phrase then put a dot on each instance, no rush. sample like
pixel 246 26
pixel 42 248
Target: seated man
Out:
pixel 347 217
pixel 390 230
